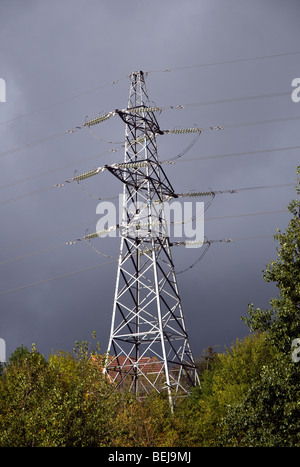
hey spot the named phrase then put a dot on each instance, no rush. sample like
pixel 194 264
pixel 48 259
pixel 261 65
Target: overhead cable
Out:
pixel 47 172
pixel 246 153
pixel 163 70
pixel 216 127
pixel 168 161
pixel 106 116
pixel 68 274
pixel 224 62
pixel 53 104
pixel 105 232
pixel 34 284
pixel 33 143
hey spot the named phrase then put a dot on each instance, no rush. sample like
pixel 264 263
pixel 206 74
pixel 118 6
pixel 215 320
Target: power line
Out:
pixel 232 191
pixel 203 253
pixel 68 99
pixel 253 237
pixel 167 161
pixel 208 244
pixel 97 170
pixel 262 122
pixel 47 235
pixel 44 250
pixel 173 160
pixel 230 100
pixel 264 213
pixel 47 172
pixel 104 117
pixel 115 227
pixel 245 153
pixel 33 284
pixel 225 62
pixel 78 271
pixel 84 224
pixel 33 143
pixel 26 195
pixel 107 231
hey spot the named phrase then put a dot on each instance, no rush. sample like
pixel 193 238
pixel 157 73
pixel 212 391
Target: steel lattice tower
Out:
pixel 148 346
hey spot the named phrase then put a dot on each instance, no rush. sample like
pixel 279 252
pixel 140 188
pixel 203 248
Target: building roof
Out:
pixel 147 365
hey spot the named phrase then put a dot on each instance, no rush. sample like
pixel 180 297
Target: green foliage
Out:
pixel 66 402
pixel 224 386
pixel 19 354
pixel 145 423
pixel 61 402
pixel 270 412
pixel 249 394
pixel 282 320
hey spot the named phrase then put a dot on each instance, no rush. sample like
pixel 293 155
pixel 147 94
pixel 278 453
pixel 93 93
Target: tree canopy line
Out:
pixel 249 395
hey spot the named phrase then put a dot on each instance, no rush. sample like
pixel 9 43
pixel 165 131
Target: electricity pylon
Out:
pixel 148 345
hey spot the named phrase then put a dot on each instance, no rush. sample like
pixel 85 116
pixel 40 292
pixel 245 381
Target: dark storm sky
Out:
pixel 67 60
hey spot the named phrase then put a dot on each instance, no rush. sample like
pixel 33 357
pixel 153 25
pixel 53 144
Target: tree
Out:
pixel 23 389
pixel 19 354
pixel 146 422
pixel 269 414
pixel 63 402
pixel 224 385
pixel 282 320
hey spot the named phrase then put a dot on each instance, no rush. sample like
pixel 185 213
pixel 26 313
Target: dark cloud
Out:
pixel 51 54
